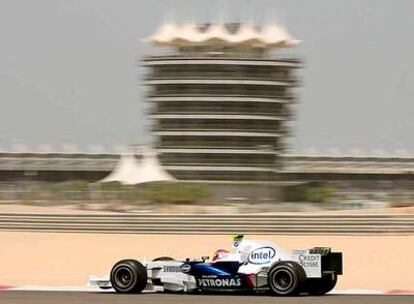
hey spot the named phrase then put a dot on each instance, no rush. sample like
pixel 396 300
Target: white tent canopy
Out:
pixel 130 171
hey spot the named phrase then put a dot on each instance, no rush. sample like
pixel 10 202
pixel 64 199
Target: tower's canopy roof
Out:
pixel 270 35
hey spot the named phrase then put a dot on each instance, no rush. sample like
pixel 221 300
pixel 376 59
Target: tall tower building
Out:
pixel 220 101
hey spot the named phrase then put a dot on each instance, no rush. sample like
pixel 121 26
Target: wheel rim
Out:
pixel 282 280
pixel 123 277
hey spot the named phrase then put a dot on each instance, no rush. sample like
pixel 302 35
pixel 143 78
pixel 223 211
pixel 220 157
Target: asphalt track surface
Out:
pixel 56 297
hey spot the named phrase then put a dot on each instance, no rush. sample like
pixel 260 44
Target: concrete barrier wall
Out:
pixel 281 224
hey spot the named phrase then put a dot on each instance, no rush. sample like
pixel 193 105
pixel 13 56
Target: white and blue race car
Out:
pixel 251 266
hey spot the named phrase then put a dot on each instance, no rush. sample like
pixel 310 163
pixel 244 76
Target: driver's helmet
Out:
pixel 220 254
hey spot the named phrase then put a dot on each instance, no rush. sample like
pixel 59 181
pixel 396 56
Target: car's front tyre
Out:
pixel 286 278
pixel 129 276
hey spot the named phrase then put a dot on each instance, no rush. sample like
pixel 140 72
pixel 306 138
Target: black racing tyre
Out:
pixel 323 285
pixel 163 258
pixel 286 278
pixel 129 276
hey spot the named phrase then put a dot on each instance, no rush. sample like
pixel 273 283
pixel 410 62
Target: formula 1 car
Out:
pixel 251 266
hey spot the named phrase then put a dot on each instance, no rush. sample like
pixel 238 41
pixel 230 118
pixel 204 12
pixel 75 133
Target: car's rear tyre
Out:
pixel 129 276
pixel 323 285
pixel 286 278
pixel 163 258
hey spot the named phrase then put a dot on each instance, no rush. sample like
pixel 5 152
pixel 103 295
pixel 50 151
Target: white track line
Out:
pixel 357 292
pixel 57 288
pixel 95 289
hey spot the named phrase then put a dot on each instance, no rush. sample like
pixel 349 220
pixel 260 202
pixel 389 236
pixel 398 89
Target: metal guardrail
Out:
pixel 13 161
pixel 289 224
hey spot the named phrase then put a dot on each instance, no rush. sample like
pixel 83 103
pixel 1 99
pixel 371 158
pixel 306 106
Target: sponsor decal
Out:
pixel 209 276
pixel 185 268
pixel 310 260
pixel 171 269
pixel 227 282
pixel 262 255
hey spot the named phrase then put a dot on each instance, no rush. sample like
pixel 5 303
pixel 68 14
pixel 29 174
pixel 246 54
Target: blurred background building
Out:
pixel 221 97
pixel 355 175
pixel 221 106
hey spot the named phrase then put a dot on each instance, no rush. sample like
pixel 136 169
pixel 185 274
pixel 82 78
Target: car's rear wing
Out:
pixel 331 261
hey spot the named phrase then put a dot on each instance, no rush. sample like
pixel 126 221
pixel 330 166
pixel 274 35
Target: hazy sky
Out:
pixel 69 69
